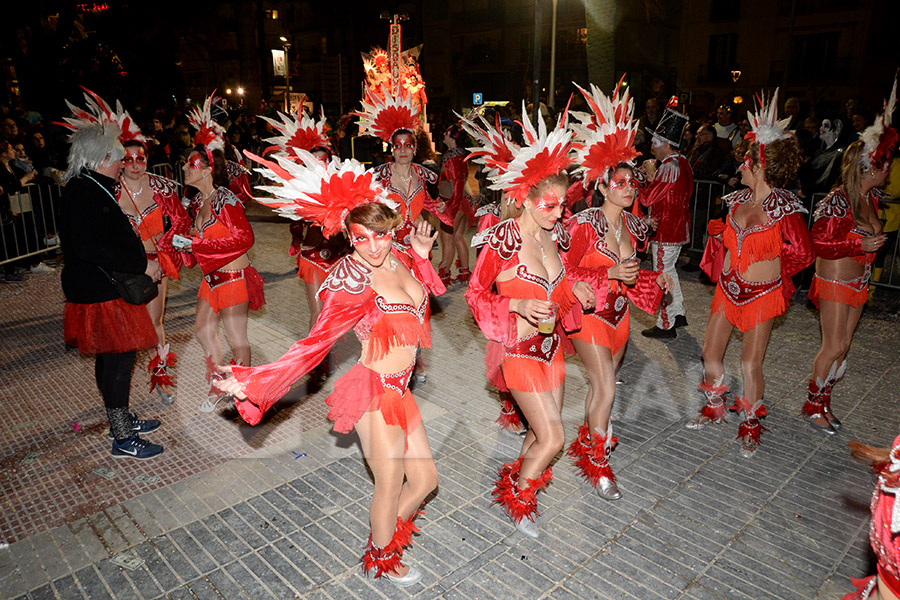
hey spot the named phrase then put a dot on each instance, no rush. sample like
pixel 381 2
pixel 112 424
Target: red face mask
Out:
pixel 134 157
pixel 620 182
pixel 195 162
pixel 361 237
pixel 748 162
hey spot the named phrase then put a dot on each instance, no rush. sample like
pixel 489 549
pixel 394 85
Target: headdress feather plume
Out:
pixel 880 138
pixel 765 127
pixel 297 133
pixel 209 133
pixel 383 118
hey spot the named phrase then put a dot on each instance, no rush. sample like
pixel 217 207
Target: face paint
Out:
pixel 620 182
pixel 748 162
pixel 405 146
pixel 361 237
pixel 195 162
pixel 548 203
pixel 133 156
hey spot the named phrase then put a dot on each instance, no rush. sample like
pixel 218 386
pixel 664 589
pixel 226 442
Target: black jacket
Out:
pixel 94 231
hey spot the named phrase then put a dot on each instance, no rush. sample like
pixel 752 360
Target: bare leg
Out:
pixel 545 431
pixel 459 239
pixel 715 342
pixel 234 320
pixel 206 326
pixel 753 352
pixel 601 371
pixel 448 249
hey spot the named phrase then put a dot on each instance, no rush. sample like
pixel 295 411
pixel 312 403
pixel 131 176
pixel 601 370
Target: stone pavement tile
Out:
pixel 247 582
pixel 698 592
pixel 334 496
pixel 601 582
pixel 116 581
pixel 641 569
pixel 232 541
pixel 144 583
pixel 225 586
pixel 561 593
pixel 244 531
pixel 292 576
pixel 300 561
pixel 208 542
pixel 156 509
pixel 201 590
pixel 760 577
pixel 216 488
pixel 441 556
pixel 327 552
pixel 679 532
pixel 779 559
pixel 500 581
pixel 142 517
pixel 662 556
pixel 312 495
pixel 794 526
pixel 273 517
pixel 728 585
pixel 48 553
pixel 67 588
pixel 596 525
pixel 45 592
pixel 773 569
pixel 550 564
pixel 91 584
pixel 371 589
pixel 184 504
pixel 157 566
pixel 125 525
pixel 27 564
pixel 721 524
pixel 178 561
pixel 270 578
pixel 339 540
pixel 475 528
pixel 290 502
pixel 196 553
pixel 179 594
pixel 453 535
pixel 517 562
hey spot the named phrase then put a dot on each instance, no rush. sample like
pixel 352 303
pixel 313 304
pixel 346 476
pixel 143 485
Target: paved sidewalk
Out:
pixel 281 512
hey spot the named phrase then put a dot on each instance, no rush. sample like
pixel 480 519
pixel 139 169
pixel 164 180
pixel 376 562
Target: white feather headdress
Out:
pixel 765 126
pixel 880 138
pixel 303 133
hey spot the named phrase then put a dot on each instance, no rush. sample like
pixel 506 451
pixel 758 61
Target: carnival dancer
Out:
pixel 395 121
pixel 605 142
pixel 668 195
pixel 533 301
pixel 847 235
pixel 765 241
pixel 231 287
pixel 381 291
pixel 98 241
pixel 149 201
pixel 884 533
pixel 315 253
pixel 453 209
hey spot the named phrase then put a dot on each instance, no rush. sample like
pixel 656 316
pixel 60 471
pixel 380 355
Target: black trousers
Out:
pixel 113 374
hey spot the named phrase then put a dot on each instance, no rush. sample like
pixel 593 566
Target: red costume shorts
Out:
pixel 746 304
pixel 534 364
pixel 221 289
pixel 852 292
pixel 108 327
pixel 607 327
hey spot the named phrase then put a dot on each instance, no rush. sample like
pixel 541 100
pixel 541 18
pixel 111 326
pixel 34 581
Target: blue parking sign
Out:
pixel 476 99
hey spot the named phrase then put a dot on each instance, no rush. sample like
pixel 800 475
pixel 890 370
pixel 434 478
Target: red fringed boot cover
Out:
pixel 519 503
pixel 591 453
pixel 715 400
pixel 752 414
pixel 159 365
pixel 509 417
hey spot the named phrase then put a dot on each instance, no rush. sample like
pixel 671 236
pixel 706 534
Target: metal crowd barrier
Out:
pixel 30 228
pixel 706 204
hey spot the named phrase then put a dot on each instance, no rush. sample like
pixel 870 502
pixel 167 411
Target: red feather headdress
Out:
pixel 880 138
pixel 99 111
pixel 383 118
pixel 545 154
pixel 320 193
pixel 494 150
pixel 604 137
pixel 209 133
pixel 302 133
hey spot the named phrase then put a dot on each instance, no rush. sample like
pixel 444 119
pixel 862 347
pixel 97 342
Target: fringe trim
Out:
pixel 752 414
pixel 715 400
pixel 591 452
pixel 405 530
pixel 815 401
pixel 765 245
pixel 383 560
pixel 158 368
pixel 401 329
pixel 519 503
pixel 509 416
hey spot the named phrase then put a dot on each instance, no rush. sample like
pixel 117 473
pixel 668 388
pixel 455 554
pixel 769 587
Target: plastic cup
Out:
pixel 633 280
pixel 546 326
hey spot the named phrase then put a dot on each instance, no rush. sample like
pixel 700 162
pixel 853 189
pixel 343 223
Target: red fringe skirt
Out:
pixel 314 262
pixel 746 304
pixel 853 292
pixel 221 289
pixel 600 332
pixel 362 390
pixel 108 327
pixel 535 364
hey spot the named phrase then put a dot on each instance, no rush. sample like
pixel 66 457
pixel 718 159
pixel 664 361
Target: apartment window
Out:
pixel 722 56
pixel 814 54
pixel 272 14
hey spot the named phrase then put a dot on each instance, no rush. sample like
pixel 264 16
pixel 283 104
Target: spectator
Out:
pixel 833 133
pixel 9 130
pixel 727 131
pixel 730 171
pixel 706 157
pixel 648 122
pixel 792 111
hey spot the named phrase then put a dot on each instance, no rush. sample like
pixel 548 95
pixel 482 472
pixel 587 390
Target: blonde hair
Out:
pixel 851 175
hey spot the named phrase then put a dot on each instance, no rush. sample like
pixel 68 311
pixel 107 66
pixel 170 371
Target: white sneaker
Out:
pixel 41 268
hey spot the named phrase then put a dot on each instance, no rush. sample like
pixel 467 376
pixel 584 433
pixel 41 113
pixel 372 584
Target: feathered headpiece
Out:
pixel 383 118
pixel 320 193
pixel 302 133
pixel 494 150
pixel 604 138
pixel 209 134
pixel 880 138
pixel 765 127
pixel 545 154
pixel 96 136
pixel 99 111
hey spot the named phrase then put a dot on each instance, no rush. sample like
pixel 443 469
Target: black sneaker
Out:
pixel 657 333
pixel 680 321
pixel 135 447
pixel 141 425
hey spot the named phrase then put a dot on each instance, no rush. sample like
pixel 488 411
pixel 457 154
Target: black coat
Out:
pixel 94 231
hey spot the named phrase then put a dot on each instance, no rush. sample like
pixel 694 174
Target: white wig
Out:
pixel 92 146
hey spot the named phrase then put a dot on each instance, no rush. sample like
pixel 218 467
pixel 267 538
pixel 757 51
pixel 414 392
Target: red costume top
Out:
pixel 835 234
pixel 224 237
pixel 589 250
pixel 453 167
pixel 239 181
pixel 783 236
pixel 149 223
pixel 348 302
pixel 488 216
pixel 669 199
pixel 414 200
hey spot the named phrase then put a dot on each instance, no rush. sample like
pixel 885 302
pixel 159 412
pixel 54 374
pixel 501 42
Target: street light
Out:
pixel 240 92
pixel 735 75
pixel 287 73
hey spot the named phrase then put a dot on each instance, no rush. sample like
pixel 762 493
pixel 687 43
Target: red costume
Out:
pixel 488 216
pixel 226 236
pixel 413 200
pixel 350 302
pixel 669 197
pixel 149 224
pixel 835 235
pixel 746 304
pixel 239 181
pixel 884 533
pixel 454 168
pixel 608 324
